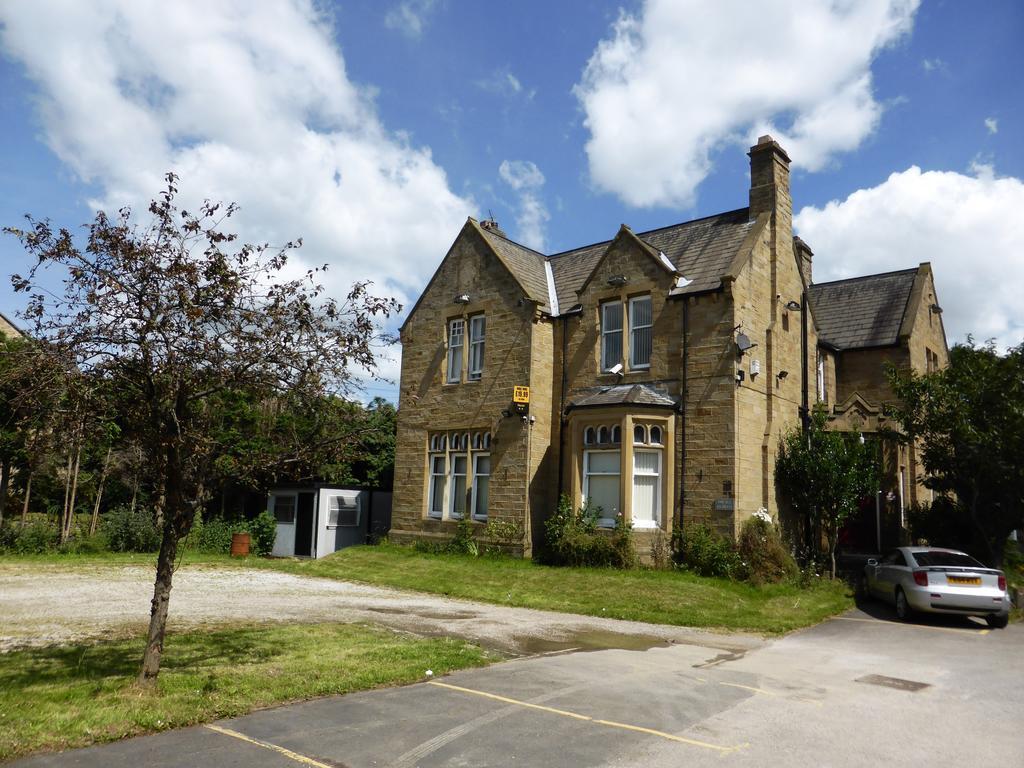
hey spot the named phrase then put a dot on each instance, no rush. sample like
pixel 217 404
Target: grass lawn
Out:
pixel 55 698
pixel 660 597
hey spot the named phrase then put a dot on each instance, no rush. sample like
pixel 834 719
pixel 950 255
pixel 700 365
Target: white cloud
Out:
pixel 969 228
pixel 247 102
pixel 684 78
pixel 934 65
pixel 409 17
pixel 526 179
pixel 992 125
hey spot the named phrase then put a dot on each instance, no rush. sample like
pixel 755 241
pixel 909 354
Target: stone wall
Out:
pixel 428 404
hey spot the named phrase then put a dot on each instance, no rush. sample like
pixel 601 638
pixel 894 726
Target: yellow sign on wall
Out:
pixel 521 395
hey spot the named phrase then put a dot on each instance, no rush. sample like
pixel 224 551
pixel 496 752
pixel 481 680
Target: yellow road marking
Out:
pixel 958 630
pixel 576 716
pixel 749 688
pixel 267 745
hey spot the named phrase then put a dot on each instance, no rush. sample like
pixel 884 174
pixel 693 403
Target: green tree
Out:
pixel 824 474
pixel 968 419
pixel 172 316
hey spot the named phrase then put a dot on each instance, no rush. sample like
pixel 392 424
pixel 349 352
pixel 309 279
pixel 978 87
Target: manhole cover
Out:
pixel 892 682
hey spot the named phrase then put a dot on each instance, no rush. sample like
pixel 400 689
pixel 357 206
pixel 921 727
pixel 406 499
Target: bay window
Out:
pixel 601 474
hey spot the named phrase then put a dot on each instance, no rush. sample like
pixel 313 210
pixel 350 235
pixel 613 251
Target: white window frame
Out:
pixel 339 497
pixel 822 391
pixel 443 475
pixel 455 349
pixel 605 522
pixel 656 522
pixel 606 364
pixel 452 494
pixel 476 476
pixel 476 347
pixel 633 328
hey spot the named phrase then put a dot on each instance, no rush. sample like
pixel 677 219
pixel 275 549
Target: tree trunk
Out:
pixel 28 495
pixel 70 520
pixel 67 495
pixel 161 602
pixel 5 479
pixel 178 514
pixel 99 495
pixel 135 493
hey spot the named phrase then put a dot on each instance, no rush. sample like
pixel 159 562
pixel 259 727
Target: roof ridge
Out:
pixel 508 239
pixel 865 277
pixel 649 231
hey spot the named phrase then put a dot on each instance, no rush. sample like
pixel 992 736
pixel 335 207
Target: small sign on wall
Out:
pixel 521 395
pixel 725 505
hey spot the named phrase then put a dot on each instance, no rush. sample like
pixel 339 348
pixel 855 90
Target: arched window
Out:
pixel 602 435
pixel 478 441
pixel 639 434
pixel 616 434
pixel 655 435
pixel 588 436
pixel 487 440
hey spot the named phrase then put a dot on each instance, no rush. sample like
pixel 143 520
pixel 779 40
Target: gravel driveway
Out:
pixel 50 604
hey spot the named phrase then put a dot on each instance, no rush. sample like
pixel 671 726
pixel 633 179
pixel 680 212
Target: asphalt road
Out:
pixel 859 690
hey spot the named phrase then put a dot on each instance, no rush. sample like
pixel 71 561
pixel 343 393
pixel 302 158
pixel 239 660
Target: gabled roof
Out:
pixel 623 394
pixel 701 251
pixel 525 264
pixel 864 311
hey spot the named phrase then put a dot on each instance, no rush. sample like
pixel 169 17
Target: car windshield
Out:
pixel 946 558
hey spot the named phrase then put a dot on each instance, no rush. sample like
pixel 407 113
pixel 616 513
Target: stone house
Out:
pixel 663 367
pixel 7 328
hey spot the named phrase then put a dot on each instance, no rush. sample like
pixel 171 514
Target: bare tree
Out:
pixel 174 314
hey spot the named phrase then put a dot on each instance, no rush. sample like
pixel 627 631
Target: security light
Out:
pixel 617 280
pixel 793 306
pixel 781 375
pixel 462 298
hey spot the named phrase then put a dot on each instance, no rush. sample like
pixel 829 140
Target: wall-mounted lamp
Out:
pixel 936 309
pixel 781 375
pixel 793 306
pixel 617 280
pixel 462 298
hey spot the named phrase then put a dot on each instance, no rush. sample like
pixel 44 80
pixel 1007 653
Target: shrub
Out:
pixel 84 544
pixel 213 536
pixel 571 537
pixel 264 530
pixel 127 531
pixel 700 549
pixel 34 539
pixel 765 558
pixel 462 543
pixel 504 534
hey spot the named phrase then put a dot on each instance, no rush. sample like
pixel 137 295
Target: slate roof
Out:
pixel 862 311
pixel 701 250
pixel 527 265
pixel 621 394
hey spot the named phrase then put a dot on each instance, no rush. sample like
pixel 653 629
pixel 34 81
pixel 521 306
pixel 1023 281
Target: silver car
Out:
pixel 934 580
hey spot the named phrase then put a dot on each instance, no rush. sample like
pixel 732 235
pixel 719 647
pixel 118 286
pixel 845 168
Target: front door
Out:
pixel 304 526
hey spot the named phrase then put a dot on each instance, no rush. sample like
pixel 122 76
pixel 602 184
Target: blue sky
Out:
pixel 372 129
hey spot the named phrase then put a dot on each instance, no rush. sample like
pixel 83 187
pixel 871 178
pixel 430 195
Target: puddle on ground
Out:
pixel 721 658
pixel 590 641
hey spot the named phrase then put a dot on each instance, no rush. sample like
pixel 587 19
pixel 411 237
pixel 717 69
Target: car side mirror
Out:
pixel 872 561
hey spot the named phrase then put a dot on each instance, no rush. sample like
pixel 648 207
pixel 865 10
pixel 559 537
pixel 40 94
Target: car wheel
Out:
pixel 903 609
pixel 863 591
pixel 998 621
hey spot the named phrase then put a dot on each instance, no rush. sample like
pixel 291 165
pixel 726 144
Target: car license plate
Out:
pixel 965 581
